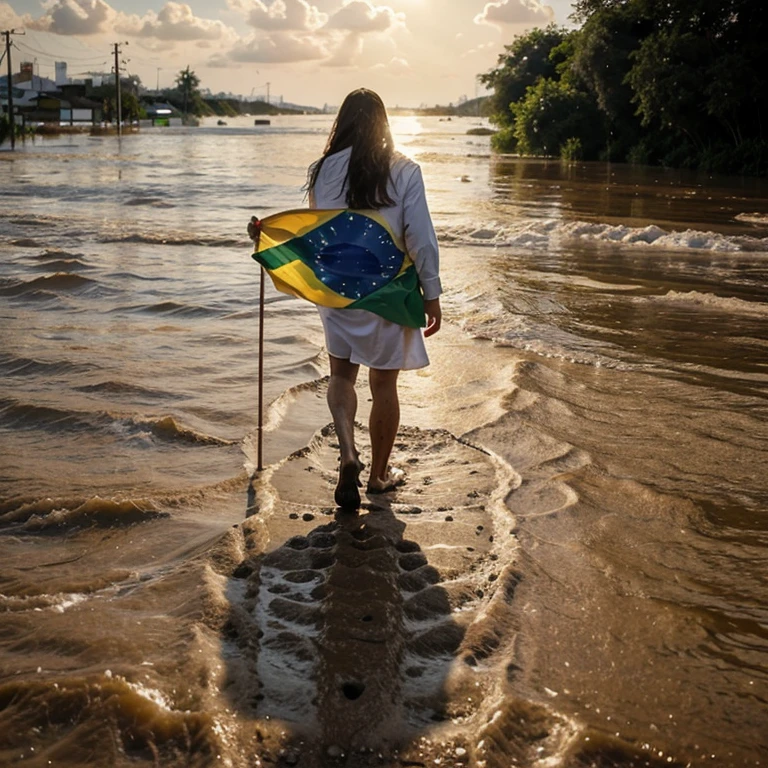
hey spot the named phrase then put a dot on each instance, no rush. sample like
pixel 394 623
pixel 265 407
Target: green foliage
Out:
pixel 678 82
pixel 187 83
pixel 551 114
pixel 480 107
pixel 224 107
pixel 106 95
pixel 505 140
pixel 5 127
pixel 572 149
pixel 522 64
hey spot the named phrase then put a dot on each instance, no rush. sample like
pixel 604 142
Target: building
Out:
pixel 41 100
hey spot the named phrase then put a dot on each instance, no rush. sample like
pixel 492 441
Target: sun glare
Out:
pixel 405 129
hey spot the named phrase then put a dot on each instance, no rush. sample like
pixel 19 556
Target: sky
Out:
pixel 309 52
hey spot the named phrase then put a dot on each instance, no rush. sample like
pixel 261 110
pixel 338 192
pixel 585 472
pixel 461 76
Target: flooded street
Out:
pixel 574 573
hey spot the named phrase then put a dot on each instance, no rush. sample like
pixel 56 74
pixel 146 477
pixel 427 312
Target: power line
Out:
pixel 80 55
pixel 24 48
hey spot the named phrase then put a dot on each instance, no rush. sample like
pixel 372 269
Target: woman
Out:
pixel 361 170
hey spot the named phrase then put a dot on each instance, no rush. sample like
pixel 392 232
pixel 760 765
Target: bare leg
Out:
pixel 383 424
pixel 342 402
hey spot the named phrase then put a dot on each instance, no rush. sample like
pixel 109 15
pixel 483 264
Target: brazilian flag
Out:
pixel 341 258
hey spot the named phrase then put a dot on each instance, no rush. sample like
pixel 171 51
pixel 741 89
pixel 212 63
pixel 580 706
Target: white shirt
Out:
pixel 409 216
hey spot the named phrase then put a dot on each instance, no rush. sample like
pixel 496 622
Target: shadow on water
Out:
pixel 345 644
pixel 341 640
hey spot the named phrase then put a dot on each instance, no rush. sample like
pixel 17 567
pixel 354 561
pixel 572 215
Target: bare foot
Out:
pixel 347 495
pixel 394 479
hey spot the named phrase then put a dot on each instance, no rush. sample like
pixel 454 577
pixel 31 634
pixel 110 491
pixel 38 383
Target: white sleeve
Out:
pixel 420 237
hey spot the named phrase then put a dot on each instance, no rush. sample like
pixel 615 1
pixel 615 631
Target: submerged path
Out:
pixel 364 632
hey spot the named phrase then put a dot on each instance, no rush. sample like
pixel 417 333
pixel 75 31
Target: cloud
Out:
pixel 362 16
pixel 395 66
pixel 366 52
pixel 74 17
pixel 279 47
pixel 515 12
pixel 175 22
pixel 280 14
pixel 9 19
pixel 220 61
pixel 347 52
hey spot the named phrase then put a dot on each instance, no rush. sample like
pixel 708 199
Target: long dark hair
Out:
pixel 363 125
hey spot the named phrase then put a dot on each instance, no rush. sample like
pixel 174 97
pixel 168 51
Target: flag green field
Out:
pixel 341 258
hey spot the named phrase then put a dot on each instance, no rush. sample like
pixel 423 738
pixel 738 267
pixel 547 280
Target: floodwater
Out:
pixel 597 400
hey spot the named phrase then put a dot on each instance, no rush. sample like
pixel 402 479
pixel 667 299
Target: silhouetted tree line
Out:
pixel 681 83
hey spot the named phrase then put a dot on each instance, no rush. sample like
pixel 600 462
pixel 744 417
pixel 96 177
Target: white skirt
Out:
pixel 367 339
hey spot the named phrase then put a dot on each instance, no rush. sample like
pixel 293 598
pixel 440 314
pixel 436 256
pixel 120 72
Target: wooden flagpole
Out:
pixel 260 466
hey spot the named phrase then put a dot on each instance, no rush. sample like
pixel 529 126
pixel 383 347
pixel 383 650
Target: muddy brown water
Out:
pixel 574 573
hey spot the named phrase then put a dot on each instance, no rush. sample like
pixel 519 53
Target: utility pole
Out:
pixel 11 116
pixel 117 84
pixel 268 84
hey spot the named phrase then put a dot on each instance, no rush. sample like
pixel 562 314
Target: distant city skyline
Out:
pixel 308 52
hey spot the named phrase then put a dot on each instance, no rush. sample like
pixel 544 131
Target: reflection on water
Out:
pixel 630 195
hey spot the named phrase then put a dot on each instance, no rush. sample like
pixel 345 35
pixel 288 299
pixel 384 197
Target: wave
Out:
pixel 50 284
pixel 25 242
pixel 57 513
pixel 127 720
pixel 177 240
pixel 154 202
pixel 526 325
pixel 33 221
pixel 136 277
pixel 167 428
pixel 123 388
pixel 10 365
pixel 58 602
pixel 753 218
pixel 727 304
pixel 56 253
pixel 545 233
pixel 17 415
pixel 65 265
pixel 170 308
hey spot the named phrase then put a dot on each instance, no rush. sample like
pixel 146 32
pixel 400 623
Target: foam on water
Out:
pixel 728 305
pixel 547 233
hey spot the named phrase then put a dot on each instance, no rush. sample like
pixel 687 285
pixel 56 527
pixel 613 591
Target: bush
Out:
pixel 552 113
pixel 504 140
pixel 572 149
pixel 750 157
pixel 640 154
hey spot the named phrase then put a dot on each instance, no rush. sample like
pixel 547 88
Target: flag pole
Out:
pixel 254 232
pixel 260 465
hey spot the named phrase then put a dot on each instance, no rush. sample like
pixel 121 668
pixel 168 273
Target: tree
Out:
pixel 523 63
pixel 188 82
pixel 554 112
pixel 5 127
pixel 601 59
pixel 701 71
pixel 680 82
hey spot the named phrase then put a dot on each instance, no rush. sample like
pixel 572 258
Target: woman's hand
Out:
pixel 434 316
pixel 254 229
